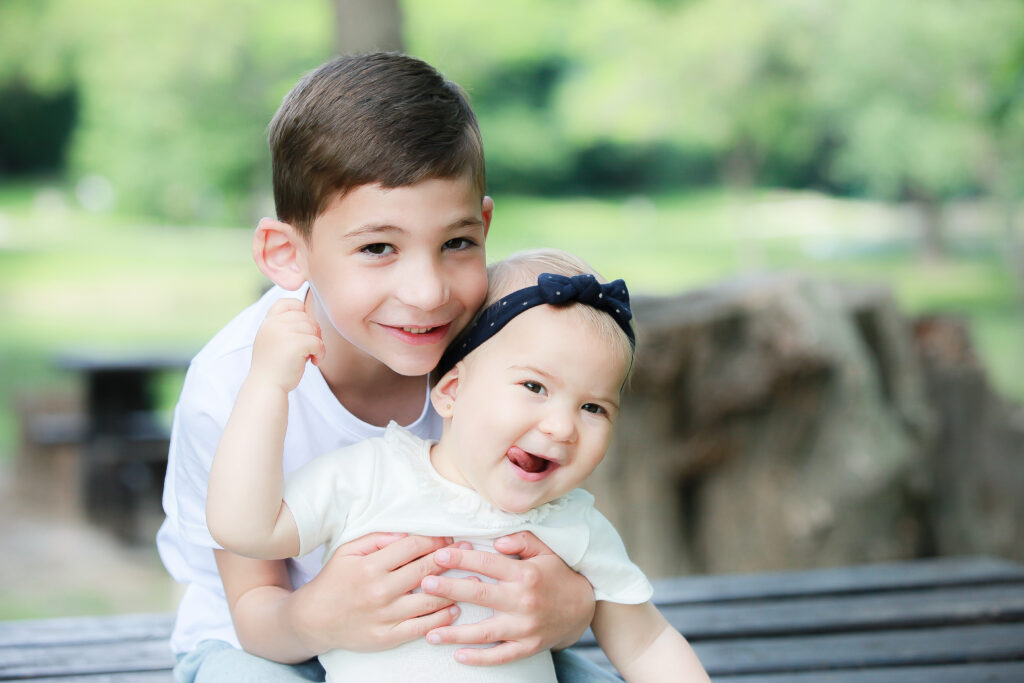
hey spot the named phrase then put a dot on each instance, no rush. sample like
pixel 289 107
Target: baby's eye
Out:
pixel 535 387
pixel 377 249
pixel 459 243
pixel 594 408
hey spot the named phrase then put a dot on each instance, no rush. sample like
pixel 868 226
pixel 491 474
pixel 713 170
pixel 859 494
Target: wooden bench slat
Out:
pixel 127 677
pixel 818 655
pixel 848 613
pixel 82 630
pixel 90 658
pixel 987 604
pixel 919 574
pixel 1001 672
pixel 920 647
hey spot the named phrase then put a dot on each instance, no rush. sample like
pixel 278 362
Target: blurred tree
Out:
pixel 511 59
pixel 365 25
pixel 174 98
pixel 724 77
pixel 38 100
pixel 911 100
pixel 907 87
pixel 1005 154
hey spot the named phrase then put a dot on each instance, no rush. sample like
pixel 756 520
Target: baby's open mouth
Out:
pixel 528 462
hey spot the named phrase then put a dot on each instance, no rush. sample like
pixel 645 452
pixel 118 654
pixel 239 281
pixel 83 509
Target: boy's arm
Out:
pixel 245 510
pixel 643 646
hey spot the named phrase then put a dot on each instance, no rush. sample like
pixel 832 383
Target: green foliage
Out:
pixel 908 88
pixel 887 99
pixel 175 96
pixel 877 97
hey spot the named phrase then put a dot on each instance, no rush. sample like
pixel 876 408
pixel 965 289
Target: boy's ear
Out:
pixel 442 396
pixel 278 250
pixel 487 210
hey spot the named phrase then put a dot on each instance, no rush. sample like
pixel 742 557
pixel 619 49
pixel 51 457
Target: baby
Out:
pixel 528 395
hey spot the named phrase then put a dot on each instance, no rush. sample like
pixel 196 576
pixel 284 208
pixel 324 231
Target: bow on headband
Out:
pixel 611 298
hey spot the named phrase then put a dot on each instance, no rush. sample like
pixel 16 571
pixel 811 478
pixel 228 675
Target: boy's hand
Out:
pixel 539 602
pixel 362 599
pixel 288 337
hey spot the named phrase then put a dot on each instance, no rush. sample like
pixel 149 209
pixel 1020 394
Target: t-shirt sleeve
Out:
pixel 607 566
pixel 326 491
pixel 199 418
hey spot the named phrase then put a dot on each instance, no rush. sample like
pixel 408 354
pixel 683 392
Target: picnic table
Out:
pixel 122 437
pixel 933 621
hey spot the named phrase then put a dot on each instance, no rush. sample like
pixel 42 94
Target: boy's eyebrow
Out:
pixel 383 228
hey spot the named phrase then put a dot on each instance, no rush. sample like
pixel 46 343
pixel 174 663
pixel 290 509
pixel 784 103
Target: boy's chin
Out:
pixel 412 368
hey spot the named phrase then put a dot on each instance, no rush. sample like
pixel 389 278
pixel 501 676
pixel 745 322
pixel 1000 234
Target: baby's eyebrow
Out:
pixel 529 368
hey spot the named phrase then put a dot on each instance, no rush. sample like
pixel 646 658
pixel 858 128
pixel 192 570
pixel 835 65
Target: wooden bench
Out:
pixel 928 621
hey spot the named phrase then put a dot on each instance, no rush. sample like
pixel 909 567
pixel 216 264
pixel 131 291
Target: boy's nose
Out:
pixel 425 287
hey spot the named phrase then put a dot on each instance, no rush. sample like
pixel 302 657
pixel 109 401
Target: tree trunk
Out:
pixel 367 25
pixel 933 231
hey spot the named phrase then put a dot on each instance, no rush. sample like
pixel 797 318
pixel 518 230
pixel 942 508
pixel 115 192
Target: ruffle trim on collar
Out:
pixel 456 498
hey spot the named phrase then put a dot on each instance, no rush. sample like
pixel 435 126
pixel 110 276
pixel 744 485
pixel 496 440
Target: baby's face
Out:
pixel 533 409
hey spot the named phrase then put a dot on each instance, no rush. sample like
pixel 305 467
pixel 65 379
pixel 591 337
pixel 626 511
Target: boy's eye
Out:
pixel 535 387
pixel 594 408
pixel 377 249
pixel 458 243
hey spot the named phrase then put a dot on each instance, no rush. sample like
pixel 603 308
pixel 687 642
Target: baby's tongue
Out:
pixel 526 461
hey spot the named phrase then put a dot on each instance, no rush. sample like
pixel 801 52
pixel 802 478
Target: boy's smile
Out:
pixel 396 273
pixel 529 414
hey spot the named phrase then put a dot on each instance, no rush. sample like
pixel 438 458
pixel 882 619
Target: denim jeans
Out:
pixel 214 661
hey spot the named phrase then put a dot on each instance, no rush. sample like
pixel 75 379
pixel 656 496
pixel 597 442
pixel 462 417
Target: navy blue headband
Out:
pixel 612 298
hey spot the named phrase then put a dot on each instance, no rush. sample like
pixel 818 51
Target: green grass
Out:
pixel 69 279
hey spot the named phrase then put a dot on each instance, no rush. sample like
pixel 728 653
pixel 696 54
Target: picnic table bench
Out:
pixel 933 621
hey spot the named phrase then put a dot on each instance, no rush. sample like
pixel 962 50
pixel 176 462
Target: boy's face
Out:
pixel 533 410
pixel 397 273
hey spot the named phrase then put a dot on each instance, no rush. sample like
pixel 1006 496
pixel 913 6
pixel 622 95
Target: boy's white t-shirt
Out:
pixel 317 424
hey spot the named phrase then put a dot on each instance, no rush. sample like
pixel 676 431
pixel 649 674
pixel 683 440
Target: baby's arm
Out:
pixel 245 508
pixel 643 646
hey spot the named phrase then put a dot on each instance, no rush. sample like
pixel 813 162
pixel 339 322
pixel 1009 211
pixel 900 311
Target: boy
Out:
pixel 379 186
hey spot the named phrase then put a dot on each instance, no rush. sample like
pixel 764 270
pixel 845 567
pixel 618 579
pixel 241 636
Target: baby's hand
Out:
pixel 288 337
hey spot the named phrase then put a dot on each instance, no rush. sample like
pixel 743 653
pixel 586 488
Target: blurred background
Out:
pixel 680 144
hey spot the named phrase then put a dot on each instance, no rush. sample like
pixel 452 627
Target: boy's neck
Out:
pixel 378 401
pixel 369 389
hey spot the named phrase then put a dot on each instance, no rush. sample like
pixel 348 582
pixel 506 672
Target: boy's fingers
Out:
pixel 406 550
pixel 416 605
pixel 419 626
pixel 286 304
pixel 478 592
pixel 481 633
pixel 498 567
pixel 524 544
pixel 368 544
pixel 410 575
pixel 489 656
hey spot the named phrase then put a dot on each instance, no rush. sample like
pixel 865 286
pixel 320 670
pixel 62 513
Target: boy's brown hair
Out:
pixel 382 118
